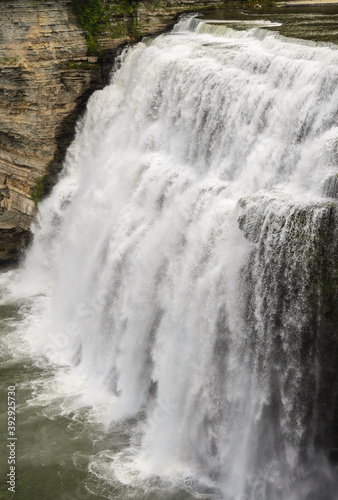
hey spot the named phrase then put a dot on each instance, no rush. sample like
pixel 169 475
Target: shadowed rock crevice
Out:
pixel 65 132
pixel 14 237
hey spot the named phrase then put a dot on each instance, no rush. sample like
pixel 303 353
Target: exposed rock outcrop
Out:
pixel 38 92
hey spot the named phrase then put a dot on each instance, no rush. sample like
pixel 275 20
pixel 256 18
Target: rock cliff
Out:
pixel 50 63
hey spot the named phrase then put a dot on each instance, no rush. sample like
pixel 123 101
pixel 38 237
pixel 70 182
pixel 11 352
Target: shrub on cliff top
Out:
pixel 94 17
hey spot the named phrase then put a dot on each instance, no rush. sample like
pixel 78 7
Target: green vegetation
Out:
pixel 119 31
pixel 79 65
pixel 122 7
pixel 133 29
pixel 91 17
pixel 9 61
pixel 95 18
pixel 37 191
pixel 90 14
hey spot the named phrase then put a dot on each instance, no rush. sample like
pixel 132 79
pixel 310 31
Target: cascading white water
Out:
pixel 148 275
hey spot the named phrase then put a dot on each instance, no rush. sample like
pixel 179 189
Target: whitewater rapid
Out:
pixel 138 268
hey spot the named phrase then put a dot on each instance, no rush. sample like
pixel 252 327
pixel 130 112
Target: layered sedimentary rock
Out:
pixel 38 92
pixel 47 72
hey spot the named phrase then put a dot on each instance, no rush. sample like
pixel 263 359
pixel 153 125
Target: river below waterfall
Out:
pixel 156 339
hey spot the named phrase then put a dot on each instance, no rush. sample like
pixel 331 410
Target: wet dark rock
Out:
pixel 14 237
pixel 330 188
pixel 290 301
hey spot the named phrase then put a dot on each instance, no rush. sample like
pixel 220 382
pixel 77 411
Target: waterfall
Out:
pixel 187 260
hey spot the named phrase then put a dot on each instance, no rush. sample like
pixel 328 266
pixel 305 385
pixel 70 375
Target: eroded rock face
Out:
pixel 38 42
